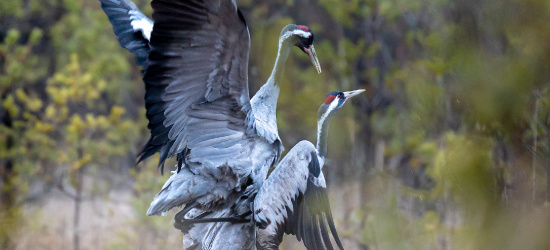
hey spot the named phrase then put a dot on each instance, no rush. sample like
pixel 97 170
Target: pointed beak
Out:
pixel 313 57
pixel 353 93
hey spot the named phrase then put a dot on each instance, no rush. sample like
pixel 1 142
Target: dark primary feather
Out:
pixel 314 167
pixel 196 83
pixel 120 18
pixel 316 201
pixel 293 200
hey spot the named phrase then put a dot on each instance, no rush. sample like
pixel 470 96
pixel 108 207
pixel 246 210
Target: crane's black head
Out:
pixel 306 40
pixel 334 101
pixel 302 37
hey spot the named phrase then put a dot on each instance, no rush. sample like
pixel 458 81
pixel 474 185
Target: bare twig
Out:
pixel 64 191
pixel 534 125
pixel 79 185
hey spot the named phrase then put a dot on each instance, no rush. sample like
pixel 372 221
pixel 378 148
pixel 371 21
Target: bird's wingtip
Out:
pixel 154 209
pixel 151 211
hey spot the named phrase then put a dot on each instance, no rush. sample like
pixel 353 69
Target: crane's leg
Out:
pixel 180 216
pixel 253 223
pixel 223 219
pixel 183 224
pixel 234 219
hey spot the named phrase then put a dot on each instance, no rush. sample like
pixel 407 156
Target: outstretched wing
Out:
pixel 197 84
pixel 132 27
pixel 293 200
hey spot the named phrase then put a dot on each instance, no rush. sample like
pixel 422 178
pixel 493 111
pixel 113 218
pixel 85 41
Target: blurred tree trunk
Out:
pixel 8 192
pixel 77 203
pixel 534 127
pixel 370 31
pixel 548 177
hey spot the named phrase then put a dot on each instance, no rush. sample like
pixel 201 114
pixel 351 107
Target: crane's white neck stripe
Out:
pixel 297 32
pixel 321 121
pixel 331 107
pixel 284 50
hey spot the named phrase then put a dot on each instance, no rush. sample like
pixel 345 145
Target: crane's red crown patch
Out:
pixel 304 28
pixel 329 99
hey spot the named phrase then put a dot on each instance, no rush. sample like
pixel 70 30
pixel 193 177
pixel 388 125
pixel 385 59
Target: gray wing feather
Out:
pixel 294 200
pixel 132 27
pixel 197 80
pixel 186 186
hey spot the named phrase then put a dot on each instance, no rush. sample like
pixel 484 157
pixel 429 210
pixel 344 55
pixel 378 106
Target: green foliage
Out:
pixel 449 147
pixel 12 7
pixel 341 10
pixel 148 232
pixel 387 227
pixel 57 124
pixel 89 136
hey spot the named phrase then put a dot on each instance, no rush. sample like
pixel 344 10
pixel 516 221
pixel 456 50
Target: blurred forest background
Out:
pixel 448 149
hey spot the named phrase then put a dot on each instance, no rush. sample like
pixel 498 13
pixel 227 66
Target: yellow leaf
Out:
pixel 76 125
pixel 81 162
pixel 9 104
pixel 21 95
pixel 102 121
pixel 44 127
pixel 116 112
pixel 91 120
pixel 64 112
pixel 50 112
pixel 101 84
pixel 34 104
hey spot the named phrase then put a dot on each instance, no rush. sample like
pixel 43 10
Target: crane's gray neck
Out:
pixel 264 102
pixel 282 55
pixel 271 88
pixel 322 134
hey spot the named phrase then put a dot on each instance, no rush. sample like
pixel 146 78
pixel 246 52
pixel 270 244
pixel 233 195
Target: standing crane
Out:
pixel 293 199
pixel 197 100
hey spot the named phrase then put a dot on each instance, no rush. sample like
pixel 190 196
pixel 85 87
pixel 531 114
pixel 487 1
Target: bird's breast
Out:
pixel 263 157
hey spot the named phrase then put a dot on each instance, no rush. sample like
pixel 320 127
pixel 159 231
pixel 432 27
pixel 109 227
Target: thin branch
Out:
pixel 64 191
pixel 535 137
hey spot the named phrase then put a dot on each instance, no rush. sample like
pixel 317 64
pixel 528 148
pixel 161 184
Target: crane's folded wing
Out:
pixel 293 200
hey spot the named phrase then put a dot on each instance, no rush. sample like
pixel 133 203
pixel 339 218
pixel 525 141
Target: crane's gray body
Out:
pixel 223 146
pixel 274 205
pixel 199 110
pixel 293 200
pixel 198 104
pixel 207 117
